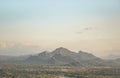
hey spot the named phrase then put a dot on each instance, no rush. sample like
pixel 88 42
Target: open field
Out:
pixel 41 71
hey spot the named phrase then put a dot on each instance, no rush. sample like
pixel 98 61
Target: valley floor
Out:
pixel 41 71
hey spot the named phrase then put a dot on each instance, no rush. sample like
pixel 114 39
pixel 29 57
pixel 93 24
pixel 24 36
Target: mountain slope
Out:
pixel 63 56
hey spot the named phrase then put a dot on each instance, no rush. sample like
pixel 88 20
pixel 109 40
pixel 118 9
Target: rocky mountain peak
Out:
pixel 61 50
pixel 43 53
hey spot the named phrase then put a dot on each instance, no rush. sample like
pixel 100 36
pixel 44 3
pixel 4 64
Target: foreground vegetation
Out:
pixel 41 71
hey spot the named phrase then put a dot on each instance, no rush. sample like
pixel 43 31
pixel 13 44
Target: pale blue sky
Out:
pixel 56 9
pixel 54 23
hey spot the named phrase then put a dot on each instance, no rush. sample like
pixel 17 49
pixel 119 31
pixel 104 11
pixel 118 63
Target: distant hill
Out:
pixel 112 57
pixel 62 56
pixel 5 57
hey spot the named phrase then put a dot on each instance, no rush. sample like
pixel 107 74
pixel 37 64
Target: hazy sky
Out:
pixel 30 26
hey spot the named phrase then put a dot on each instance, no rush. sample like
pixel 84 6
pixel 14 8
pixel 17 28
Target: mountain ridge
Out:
pixel 63 56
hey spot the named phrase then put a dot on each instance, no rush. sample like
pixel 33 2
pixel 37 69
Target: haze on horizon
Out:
pixel 31 26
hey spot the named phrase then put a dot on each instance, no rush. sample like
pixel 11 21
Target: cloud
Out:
pixel 6 45
pixel 84 30
pixel 19 48
pixel 13 44
pixel 88 28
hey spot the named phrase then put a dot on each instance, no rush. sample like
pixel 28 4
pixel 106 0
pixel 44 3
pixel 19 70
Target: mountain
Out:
pixel 63 56
pixel 62 51
pixel 111 57
pixel 5 57
pixel 118 59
